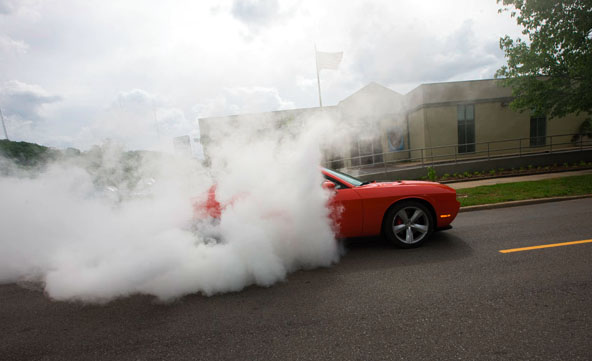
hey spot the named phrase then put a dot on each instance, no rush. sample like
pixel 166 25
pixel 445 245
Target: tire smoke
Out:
pixel 107 225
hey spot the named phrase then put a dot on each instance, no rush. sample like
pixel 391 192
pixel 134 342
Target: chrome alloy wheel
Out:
pixel 411 225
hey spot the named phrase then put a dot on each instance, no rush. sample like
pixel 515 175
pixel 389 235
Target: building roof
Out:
pixel 371 100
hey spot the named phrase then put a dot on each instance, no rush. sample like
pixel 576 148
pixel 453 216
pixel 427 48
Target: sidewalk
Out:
pixel 526 178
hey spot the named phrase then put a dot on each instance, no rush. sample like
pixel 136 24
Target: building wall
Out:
pixel 461 91
pixel 416 121
pixel 507 131
pixel 441 131
pixel 428 114
pixel 557 127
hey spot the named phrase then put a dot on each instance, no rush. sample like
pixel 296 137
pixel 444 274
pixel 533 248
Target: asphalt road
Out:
pixel 456 298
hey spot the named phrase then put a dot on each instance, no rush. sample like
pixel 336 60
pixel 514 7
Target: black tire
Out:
pixel 408 224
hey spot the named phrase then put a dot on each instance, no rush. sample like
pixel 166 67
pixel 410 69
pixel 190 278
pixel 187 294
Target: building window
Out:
pixel 365 152
pixel 538 131
pixel 333 160
pixel 466 128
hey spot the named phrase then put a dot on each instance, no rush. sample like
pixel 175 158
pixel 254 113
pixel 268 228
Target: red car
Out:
pixel 405 212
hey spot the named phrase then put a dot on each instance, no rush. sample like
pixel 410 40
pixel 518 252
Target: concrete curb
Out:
pixel 524 202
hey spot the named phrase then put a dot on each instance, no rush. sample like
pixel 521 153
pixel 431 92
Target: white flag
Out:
pixel 328 60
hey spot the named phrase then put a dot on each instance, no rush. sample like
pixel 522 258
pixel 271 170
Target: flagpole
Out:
pixel 3 125
pixel 318 77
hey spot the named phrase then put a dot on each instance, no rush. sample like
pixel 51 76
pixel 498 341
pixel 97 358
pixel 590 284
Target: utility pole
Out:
pixel 3 125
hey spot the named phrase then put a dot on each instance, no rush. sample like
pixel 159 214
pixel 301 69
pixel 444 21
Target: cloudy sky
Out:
pixel 75 72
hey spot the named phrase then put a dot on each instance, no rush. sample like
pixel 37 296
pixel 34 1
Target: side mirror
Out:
pixel 328 185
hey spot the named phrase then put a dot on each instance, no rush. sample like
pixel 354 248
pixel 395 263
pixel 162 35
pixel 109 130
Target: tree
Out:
pixel 551 71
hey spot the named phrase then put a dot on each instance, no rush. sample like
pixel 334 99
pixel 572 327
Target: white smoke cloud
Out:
pixel 140 120
pixel 68 230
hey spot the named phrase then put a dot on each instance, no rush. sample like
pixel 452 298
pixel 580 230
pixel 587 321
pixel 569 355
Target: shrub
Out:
pixel 492 172
pixel 431 174
pixel 467 174
pixel 500 170
pixel 566 165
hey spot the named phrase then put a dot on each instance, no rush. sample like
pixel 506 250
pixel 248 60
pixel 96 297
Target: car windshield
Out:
pixel 346 177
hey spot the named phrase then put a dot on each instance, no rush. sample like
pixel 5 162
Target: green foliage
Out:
pixel 477 173
pixel 550 71
pixel 27 154
pixel 575 185
pixel 492 172
pixel 467 174
pixel 431 174
pixel 566 165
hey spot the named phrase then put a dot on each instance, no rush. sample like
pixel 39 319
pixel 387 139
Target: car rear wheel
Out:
pixel 408 224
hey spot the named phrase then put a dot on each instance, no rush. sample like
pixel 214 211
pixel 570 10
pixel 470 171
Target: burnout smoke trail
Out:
pixel 64 229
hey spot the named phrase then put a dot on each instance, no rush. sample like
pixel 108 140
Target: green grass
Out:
pixel 568 186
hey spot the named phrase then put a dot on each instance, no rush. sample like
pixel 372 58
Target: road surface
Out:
pixel 456 298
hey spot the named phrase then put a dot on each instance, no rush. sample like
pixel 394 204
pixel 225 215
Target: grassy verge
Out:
pixel 568 186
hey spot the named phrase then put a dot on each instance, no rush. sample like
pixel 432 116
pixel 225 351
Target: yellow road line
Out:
pixel 545 246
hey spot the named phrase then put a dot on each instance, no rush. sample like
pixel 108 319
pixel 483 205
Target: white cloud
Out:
pixel 24 101
pixel 240 100
pixel 7 6
pixel 251 12
pixel 235 56
pixel 11 46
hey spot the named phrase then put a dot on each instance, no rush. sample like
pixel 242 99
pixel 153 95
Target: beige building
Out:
pixel 433 122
